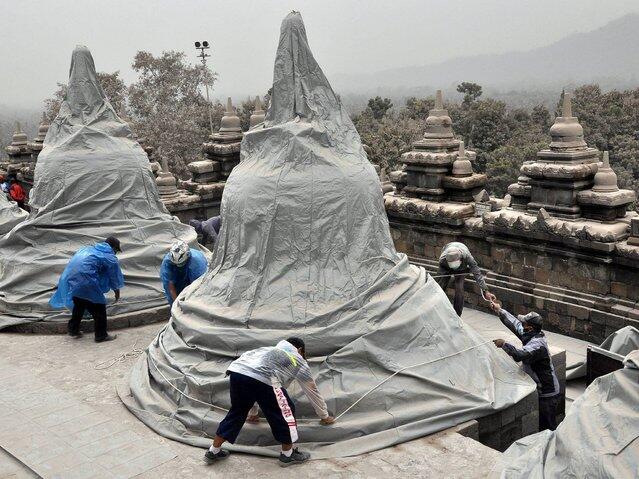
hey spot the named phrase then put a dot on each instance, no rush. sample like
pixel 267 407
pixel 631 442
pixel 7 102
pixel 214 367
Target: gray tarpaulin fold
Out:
pixel 621 342
pixel 598 439
pixel 91 180
pixel 305 249
pixel 10 214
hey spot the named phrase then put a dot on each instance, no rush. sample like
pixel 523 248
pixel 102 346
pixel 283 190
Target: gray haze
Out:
pixel 348 37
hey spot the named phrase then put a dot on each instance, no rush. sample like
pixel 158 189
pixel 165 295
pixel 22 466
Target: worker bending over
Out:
pixel 180 267
pixel 91 272
pixel 455 262
pixel 261 376
pixel 209 229
pixel 535 357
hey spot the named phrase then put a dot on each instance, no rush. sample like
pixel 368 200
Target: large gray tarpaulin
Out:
pixel 598 439
pixel 305 249
pixel 620 342
pixel 10 214
pixel 91 180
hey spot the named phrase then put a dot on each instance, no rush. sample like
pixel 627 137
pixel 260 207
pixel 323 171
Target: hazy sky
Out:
pixel 37 37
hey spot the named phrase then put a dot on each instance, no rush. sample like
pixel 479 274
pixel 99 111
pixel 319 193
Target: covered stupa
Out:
pixel 92 180
pixel 305 250
pixel 10 214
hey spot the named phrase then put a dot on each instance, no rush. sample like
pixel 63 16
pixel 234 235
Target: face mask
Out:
pixel 454 264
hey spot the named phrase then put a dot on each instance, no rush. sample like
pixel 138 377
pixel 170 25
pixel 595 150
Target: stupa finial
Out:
pixel 567 106
pixel 439 102
pixel 462 150
pixel 606 159
pixel 229 105
pixel 18 127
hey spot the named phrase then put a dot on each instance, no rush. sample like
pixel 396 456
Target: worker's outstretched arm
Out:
pixel 172 291
pixel 531 351
pixel 306 381
pixel 511 322
pixel 474 268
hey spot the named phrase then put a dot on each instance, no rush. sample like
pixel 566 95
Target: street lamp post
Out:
pixel 203 56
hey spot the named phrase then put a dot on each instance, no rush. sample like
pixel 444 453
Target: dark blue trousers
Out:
pixel 246 391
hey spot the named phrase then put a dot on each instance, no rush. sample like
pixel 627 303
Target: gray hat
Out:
pixel 453 255
pixel 532 318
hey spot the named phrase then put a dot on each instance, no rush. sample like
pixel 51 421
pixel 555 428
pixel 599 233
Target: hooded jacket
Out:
pixel 91 272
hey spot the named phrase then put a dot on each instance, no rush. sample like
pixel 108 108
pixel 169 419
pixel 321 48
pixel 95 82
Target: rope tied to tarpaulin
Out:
pixel 347 409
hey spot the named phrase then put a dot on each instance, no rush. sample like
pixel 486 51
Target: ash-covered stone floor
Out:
pixel 62 417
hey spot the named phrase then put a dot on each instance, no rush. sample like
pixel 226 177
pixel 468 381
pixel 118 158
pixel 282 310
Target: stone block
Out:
pixel 530 423
pixel 528 273
pixel 578 312
pixel 510 434
pixel 619 289
pixel 469 429
pixel 489 424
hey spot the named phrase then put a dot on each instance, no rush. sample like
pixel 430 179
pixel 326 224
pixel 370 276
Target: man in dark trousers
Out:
pixel 209 229
pixel 91 272
pixel 261 376
pixel 536 360
pixel 455 262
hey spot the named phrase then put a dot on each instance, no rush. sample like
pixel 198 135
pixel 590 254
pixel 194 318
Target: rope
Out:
pixel 133 353
pixel 347 409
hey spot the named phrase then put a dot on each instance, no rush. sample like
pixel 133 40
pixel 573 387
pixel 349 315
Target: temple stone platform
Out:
pixel 60 411
pixel 160 314
pixel 562 242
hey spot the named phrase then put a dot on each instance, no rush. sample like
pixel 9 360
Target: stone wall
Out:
pixel 580 293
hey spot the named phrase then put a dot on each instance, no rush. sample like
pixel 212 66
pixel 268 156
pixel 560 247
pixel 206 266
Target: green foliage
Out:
pixel 387 138
pixel 471 92
pixel 168 108
pixel 379 107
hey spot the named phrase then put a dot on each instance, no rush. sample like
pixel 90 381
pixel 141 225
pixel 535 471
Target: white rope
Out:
pixel 133 353
pixel 409 367
pixel 347 409
pixel 182 392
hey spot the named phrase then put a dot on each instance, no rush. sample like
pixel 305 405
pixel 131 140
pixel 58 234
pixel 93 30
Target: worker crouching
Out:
pixel 261 376
pixel 91 272
pixel 180 267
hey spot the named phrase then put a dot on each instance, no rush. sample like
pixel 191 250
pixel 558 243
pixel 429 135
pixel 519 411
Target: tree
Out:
pixel 168 108
pixel 472 91
pixel 112 84
pixel 379 107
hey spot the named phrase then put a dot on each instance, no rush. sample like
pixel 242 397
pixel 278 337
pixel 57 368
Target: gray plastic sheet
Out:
pixel 599 437
pixel 92 180
pixel 620 342
pixel 305 249
pixel 10 214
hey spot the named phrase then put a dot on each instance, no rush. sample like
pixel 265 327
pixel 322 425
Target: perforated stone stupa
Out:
pixel 437 174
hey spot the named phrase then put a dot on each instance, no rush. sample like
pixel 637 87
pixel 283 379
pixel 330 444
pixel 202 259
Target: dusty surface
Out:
pixel 70 365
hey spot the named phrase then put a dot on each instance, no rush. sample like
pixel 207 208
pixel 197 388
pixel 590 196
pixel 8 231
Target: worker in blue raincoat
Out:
pixel 180 267
pixel 91 272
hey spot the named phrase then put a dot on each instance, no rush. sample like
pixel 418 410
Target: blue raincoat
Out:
pixel 182 276
pixel 91 272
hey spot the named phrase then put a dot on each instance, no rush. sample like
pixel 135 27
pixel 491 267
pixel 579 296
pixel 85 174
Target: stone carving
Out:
pixel 166 182
pixel 438 168
pixel 258 114
pixel 605 201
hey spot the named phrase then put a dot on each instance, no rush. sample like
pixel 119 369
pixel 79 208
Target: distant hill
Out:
pixel 608 56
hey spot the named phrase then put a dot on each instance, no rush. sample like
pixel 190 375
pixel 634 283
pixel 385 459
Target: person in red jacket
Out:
pixel 17 193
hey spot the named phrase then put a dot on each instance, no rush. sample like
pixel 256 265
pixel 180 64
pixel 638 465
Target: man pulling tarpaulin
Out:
pixel 305 250
pixel 92 180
